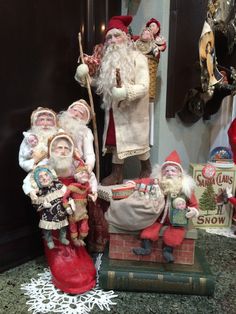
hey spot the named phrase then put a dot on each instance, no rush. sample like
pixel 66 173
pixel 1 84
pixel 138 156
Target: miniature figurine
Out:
pixel 125 99
pixel 174 183
pixel 74 121
pixel 43 126
pixel 80 192
pixel 159 40
pixel 48 202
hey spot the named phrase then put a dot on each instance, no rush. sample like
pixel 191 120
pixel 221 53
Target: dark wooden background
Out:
pixel 38 55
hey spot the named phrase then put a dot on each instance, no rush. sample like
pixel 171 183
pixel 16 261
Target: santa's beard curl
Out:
pixel 75 127
pixel 115 56
pixel 63 165
pixel 171 185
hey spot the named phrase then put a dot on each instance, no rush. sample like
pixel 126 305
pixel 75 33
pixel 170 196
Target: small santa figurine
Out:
pixel 74 121
pixel 175 184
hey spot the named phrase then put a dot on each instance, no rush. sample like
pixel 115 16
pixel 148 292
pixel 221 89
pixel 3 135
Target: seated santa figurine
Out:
pixel 174 184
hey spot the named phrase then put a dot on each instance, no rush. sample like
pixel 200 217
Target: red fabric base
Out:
pixel 72 269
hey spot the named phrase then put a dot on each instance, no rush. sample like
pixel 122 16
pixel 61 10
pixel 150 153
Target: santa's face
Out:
pixel 45 121
pixel 170 171
pixel 44 178
pixel 82 176
pixel 154 28
pixel 115 37
pixel 62 148
pixel 78 111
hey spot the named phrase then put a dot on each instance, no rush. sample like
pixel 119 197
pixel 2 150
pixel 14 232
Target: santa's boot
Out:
pixel 146 168
pixel 167 252
pixel 146 248
pixel 62 236
pixel 47 234
pixel 116 176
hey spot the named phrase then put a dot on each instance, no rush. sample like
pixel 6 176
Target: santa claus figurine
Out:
pixel 175 184
pixel 74 121
pixel 43 126
pixel 123 80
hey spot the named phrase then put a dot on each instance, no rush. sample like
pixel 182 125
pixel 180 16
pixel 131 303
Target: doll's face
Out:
pixel 146 35
pixel 181 204
pixel 82 176
pixel 171 171
pixel 79 111
pixel 154 28
pixel 45 121
pixel 115 36
pixel 32 140
pixel 44 178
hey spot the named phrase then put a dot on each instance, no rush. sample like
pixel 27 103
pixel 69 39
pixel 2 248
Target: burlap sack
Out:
pixel 135 212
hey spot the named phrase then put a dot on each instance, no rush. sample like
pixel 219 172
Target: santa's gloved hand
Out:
pixel 81 73
pixel 33 196
pixel 93 196
pixel 192 212
pixel 229 191
pixel 119 93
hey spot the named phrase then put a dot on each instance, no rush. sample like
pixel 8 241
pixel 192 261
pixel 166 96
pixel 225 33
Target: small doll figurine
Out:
pixel 160 42
pixel 178 212
pixel 33 145
pixel 85 188
pixel 47 200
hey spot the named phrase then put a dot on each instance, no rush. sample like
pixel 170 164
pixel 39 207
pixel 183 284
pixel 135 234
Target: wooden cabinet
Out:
pixel 39 54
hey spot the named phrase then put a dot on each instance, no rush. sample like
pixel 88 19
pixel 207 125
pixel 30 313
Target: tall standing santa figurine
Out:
pixel 123 80
pixel 176 185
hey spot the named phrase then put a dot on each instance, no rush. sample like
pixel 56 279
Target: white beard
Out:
pixel 74 127
pixel 115 56
pixel 171 185
pixel 43 135
pixel 63 165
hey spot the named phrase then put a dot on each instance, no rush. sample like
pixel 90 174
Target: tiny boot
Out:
pixel 62 236
pixel 146 248
pixel 47 234
pixel 146 169
pixel 167 252
pixel 116 176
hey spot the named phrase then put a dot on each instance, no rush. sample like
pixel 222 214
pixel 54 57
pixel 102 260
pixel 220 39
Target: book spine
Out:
pixel 167 283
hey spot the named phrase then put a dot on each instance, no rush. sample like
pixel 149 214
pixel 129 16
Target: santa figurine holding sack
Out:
pixel 123 81
pixel 174 183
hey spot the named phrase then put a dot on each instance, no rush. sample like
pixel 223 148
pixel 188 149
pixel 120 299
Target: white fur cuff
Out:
pixel 119 93
pixel 81 72
pixel 192 212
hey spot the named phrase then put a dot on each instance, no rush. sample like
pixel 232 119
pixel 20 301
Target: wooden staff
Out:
pixel 95 131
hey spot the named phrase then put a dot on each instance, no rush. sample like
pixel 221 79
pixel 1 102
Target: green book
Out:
pixel 126 275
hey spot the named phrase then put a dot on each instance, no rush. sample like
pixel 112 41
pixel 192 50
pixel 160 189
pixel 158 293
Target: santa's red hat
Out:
pixel 119 22
pixel 172 159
